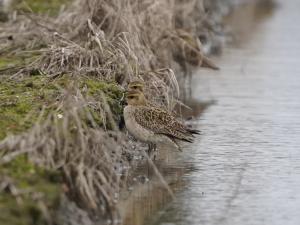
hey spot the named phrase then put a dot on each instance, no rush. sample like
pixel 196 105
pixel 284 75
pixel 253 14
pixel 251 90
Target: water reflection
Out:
pixel 146 193
pixel 248 159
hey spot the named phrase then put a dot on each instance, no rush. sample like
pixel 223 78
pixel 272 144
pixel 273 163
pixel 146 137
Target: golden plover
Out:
pixel 187 52
pixel 153 125
pixel 189 49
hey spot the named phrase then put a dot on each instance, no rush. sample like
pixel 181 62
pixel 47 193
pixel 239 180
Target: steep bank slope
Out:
pixel 62 78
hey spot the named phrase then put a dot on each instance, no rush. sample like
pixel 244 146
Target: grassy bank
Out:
pixel 62 76
pixel 27 105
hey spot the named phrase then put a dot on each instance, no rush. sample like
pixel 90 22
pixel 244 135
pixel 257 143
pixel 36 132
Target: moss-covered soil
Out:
pixel 21 101
pixel 50 7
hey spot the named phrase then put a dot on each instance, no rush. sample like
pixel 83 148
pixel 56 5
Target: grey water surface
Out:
pixel 247 161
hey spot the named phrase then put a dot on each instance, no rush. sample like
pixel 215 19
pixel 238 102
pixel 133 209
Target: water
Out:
pixel 247 162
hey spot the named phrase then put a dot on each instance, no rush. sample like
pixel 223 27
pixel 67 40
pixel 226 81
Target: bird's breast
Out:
pixel 134 128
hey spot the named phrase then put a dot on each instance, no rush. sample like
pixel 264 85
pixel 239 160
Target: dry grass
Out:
pixel 108 40
pixel 93 161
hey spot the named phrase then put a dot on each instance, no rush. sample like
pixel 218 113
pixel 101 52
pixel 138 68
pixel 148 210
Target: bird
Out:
pixel 135 85
pixel 187 51
pixel 153 125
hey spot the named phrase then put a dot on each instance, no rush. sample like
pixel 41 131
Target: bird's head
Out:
pixel 137 85
pixel 135 98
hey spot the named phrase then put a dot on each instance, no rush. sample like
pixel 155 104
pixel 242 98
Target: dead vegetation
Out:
pixel 101 40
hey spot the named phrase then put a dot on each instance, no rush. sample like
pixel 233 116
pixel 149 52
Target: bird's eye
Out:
pixel 134 87
pixel 130 97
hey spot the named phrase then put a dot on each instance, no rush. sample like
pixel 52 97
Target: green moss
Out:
pixel 31 181
pixel 9 62
pixel 50 7
pixel 112 93
pixel 17 100
pixel 20 104
pixel 111 90
pixel 15 61
pixel 21 101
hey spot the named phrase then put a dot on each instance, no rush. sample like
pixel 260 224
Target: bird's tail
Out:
pixel 206 62
pixel 193 131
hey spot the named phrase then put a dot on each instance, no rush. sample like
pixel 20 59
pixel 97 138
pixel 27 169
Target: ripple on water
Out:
pixel 247 159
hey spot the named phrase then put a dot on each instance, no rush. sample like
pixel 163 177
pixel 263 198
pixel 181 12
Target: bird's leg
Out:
pixel 190 76
pixel 177 145
pixel 154 151
pixel 154 147
pixel 150 148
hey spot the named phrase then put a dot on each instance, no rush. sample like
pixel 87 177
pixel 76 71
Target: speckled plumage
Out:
pixel 161 122
pixel 153 125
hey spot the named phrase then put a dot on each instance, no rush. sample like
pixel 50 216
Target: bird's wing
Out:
pixel 161 122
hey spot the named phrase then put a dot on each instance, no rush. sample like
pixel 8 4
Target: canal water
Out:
pixel 246 164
